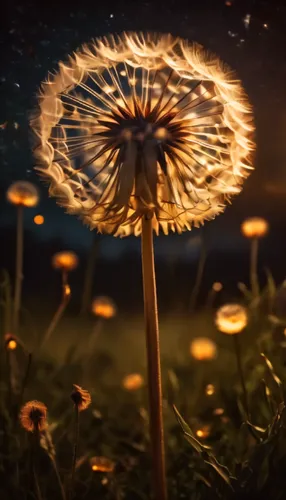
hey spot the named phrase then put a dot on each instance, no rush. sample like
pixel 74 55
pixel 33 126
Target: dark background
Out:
pixel 36 35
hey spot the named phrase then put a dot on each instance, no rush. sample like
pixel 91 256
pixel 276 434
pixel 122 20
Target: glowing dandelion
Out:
pixel 231 319
pixel 22 194
pixel 203 349
pixel 133 382
pixel 33 416
pixel 65 261
pixel 141 132
pixel 254 228
pixel 104 307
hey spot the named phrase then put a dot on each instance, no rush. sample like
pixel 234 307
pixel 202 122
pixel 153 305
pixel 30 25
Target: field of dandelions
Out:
pixel 138 133
pixel 221 442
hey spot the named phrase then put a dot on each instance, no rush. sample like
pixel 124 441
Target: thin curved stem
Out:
pixel 55 467
pixel 241 375
pixel 66 295
pixel 253 267
pixel 18 269
pixel 75 447
pixel 153 361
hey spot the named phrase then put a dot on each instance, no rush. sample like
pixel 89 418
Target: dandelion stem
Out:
pixel 199 276
pixel 76 437
pixel 55 467
pixel 240 373
pixel 18 269
pixel 253 267
pixel 153 361
pixel 66 295
pixel 34 484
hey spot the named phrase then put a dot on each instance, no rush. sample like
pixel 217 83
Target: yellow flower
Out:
pixel 33 416
pixel 65 260
pixel 80 397
pixel 133 382
pixel 254 227
pixel 23 193
pixel 103 307
pixel 140 125
pixel 203 349
pixel 231 318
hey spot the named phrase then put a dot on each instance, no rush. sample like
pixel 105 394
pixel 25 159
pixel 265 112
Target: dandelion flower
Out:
pixel 254 227
pixel 102 464
pixel 23 193
pixel 133 382
pixel 104 307
pixel 80 397
pixel 231 318
pixel 65 261
pixel 137 125
pixel 203 349
pixel 210 390
pixel 33 416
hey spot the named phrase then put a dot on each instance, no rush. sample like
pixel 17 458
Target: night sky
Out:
pixel 249 35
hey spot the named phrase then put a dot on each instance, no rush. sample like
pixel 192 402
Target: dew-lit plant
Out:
pixel 22 194
pixel 141 132
pixel 65 261
pixel 254 228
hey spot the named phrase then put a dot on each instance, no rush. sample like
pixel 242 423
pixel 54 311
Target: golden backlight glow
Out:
pixel 103 307
pixel 33 416
pixel 23 193
pixel 66 261
pixel 143 124
pixel 254 227
pixel 231 318
pixel 203 349
pixel 12 345
pixel 102 464
pixel 133 382
pixel 39 220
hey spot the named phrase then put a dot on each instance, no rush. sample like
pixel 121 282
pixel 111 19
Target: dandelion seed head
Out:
pixel 80 397
pixel 133 382
pixel 103 307
pixel 23 193
pixel 33 416
pixel 231 318
pixel 203 349
pixel 254 227
pixel 143 125
pixel 65 260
